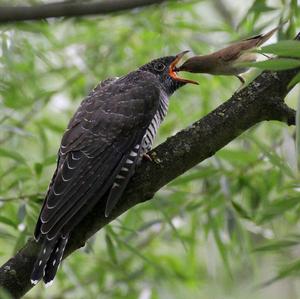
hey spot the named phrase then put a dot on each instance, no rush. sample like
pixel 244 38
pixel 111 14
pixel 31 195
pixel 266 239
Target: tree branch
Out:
pixel 69 9
pixel 261 100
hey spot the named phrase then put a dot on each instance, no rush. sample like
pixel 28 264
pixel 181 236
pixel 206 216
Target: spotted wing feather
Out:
pixel 107 126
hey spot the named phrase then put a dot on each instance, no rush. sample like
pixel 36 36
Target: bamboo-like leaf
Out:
pixel 242 212
pixel 298 133
pixel 4 294
pixel 111 248
pixel 294 81
pixel 276 64
pixel 220 245
pixel 12 155
pixel 277 245
pixel 287 48
pixel 237 156
pixel 277 208
pixel 8 221
pixel 175 230
pixel 291 269
pixel 199 174
pixel 134 250
pixel 273 157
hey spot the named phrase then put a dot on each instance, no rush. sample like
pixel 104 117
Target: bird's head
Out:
pixel 165 69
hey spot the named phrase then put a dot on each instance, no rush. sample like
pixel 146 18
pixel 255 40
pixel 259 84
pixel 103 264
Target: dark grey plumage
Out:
pixel 111 130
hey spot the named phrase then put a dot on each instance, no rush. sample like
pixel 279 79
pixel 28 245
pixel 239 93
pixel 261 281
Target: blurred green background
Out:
pixel 223 229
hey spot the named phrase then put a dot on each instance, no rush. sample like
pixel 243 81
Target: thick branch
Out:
pixel 69 9
pixel 262 100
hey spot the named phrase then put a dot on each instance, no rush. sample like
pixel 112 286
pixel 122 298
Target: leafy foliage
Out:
pixel 226 226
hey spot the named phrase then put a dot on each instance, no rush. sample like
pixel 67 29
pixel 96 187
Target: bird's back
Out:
pixel 97 156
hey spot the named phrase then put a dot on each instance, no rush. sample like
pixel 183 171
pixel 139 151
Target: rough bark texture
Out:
pixel 262 100
pixel 69 9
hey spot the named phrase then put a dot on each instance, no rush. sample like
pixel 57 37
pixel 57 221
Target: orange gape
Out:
pixel 173 73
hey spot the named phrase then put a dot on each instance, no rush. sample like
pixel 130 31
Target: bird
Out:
pixel 228 61
pixel 114 126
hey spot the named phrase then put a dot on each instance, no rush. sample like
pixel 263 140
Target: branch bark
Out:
pixel 262 100
pixel 69 9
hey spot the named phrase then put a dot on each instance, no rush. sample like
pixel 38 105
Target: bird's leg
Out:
pixel 152 158
pixel 269 57
pixel 242 82
pixel 241 79
pixel 147 157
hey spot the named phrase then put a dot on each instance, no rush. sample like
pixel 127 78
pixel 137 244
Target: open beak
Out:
pixel 173 68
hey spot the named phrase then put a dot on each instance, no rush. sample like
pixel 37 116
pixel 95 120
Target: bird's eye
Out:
pixel 159 66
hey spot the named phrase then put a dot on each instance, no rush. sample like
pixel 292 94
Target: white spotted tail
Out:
pixel 48 260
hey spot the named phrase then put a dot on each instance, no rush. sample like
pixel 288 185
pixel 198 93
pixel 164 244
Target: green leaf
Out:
pixel 277 208
pixel 294 81
pixel 221 247
pixel 168 219
pixel 52 125
pixel 38 168
pixel 276 64
pixel 111 248
pixel 236 156
pixel 298 133
pixel 50 160
pixel 203 172
pixel 8 221
pixel 288 48
pixel 291 269
pixel 3 293
pixel 12 155
pixel 260 6
pixel 277 245
pixel 20 241
pixel 273 157
pixel 242 212
pixel 135 251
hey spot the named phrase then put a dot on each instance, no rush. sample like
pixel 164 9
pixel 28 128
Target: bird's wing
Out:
pixel 108 125
pixel 233 52
pixel 237 49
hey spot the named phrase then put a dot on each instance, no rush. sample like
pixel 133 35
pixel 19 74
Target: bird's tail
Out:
pixel 264 37
pixel 48 260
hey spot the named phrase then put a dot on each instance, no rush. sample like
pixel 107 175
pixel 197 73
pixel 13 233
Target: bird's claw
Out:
pixel 147 157
pixel 152 158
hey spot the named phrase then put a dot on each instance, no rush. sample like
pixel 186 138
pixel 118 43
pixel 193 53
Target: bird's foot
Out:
pixel 241 79
pixel 152 158
pixel 267 56
pixel 147 157
pixel 242 83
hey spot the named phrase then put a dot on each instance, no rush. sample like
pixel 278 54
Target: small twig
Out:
pixel 23 197
pixel 69 9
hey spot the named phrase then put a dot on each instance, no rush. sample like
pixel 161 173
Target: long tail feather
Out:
pixel 41 261
pixel 268 35
pixel 55 260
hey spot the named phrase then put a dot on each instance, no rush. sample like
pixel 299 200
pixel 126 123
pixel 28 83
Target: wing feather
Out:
pixel 71 208
pixel 126 170
pixel 107 126
pixel 79 187
pixel 77 172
